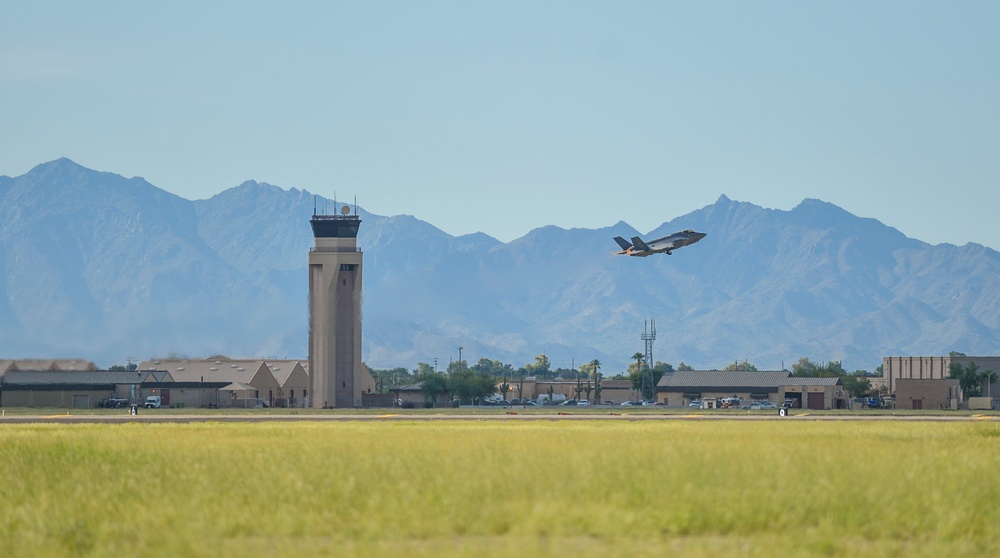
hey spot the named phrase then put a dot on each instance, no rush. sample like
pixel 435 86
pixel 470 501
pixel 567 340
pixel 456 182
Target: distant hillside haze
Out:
pixel 105 268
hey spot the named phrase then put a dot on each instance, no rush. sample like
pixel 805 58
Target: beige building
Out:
pixel 928 394
pixel 680 388
pixel 255 380
pixel 929 367
pixel 815 393
pixel 293 383
pixel 335 262
pixel 615 391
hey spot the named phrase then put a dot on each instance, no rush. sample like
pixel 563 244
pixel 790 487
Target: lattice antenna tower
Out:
pixel 648 336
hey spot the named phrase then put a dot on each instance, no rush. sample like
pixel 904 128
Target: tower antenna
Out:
pixel 648 335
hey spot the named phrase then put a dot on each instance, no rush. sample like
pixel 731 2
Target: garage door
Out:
pixel 816 401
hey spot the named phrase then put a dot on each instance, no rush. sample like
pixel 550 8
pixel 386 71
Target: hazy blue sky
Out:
pixel 502 117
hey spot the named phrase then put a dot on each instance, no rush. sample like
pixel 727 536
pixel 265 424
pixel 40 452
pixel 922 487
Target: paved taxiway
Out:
pixel 152 417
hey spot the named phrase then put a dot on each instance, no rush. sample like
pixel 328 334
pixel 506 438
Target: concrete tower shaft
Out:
pixel 335 264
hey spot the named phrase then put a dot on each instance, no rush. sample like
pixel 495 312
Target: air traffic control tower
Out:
pixel 335 366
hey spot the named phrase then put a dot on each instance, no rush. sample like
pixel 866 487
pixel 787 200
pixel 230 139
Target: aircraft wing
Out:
pixel 667 245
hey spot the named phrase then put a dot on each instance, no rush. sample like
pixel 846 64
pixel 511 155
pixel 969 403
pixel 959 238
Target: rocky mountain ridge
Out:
pixel 98 266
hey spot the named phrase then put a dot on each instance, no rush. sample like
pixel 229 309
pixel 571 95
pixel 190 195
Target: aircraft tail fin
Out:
pixel 639 244
pixel 623 243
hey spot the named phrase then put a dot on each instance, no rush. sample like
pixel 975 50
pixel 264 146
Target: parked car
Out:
pixel 583 402
pixel 628 403
pixel 114 403
pixel 766 405
pixel 695 404
pixel 569 403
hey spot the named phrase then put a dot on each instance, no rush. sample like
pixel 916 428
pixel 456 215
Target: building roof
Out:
pixel 616 384
pixel 729 379
pixel 87 377
pixel 283 370
pixel 238 386
pixel 800 381
pixel 45 364
pixel 407 388
pixel 224 370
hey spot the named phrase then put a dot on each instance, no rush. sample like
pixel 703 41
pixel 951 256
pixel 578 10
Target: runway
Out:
pixel 152 417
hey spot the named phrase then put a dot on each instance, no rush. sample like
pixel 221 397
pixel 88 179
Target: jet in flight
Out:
pixel 666 244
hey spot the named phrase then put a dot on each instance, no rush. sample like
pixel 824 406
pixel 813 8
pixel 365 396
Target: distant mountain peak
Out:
pixel 61 164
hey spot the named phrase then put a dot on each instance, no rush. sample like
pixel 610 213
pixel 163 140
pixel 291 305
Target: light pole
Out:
pixel 460 359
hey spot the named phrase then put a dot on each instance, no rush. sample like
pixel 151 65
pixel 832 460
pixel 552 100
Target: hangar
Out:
pixel 681 387
pixel 88 389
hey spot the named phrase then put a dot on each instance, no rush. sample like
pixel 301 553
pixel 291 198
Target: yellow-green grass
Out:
pixel 495 488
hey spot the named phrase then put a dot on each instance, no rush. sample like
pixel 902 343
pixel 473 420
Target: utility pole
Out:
pixel 648 336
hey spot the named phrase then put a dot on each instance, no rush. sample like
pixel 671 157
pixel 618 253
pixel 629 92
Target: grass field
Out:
pixel 493 488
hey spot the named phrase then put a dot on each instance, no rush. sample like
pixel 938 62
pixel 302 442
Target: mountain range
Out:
pixel 94 265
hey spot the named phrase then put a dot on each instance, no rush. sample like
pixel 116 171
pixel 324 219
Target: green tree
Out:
pixel 432 385
pixel 805 368
pixel 457 366
pixel 745 365
pixel 683 366
pixel 494 368
pixel 970 379
pixel 663 367
pixel 469 386
pixel 541 368
pixel 551 391
pixel 856 386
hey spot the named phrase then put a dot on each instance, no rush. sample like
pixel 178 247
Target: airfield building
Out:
pixel 897 368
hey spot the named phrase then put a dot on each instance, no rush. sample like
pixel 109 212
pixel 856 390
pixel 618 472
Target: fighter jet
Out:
pixel 666 244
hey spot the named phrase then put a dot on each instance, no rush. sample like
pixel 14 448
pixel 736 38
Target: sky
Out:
pixel 501 117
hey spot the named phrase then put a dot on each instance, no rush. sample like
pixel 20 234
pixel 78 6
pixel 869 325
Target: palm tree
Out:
pixel 596 364
pixel 639 357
